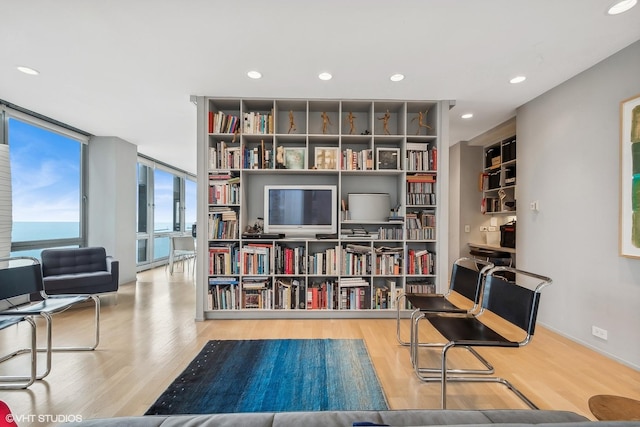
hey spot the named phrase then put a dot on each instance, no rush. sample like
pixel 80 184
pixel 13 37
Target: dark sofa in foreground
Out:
pixel 79 271
pixel 348 418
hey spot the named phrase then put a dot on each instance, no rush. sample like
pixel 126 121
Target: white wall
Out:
pixel 568 160
pixel 111 172
pixel 465 164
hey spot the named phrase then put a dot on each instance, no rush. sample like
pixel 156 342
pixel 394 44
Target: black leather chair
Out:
pixel 515 302
pixel 467 280
pixel 467 275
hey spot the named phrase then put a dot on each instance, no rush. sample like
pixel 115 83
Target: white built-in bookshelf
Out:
pixel 357 147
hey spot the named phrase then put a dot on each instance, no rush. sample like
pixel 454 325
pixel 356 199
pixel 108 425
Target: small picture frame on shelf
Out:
pixel 388 158
pixel 327 158
pixel 294 157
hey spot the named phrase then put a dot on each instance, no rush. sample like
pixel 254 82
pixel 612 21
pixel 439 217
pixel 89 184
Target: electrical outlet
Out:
pixel 483 228
pixel 467 229
pixel 492 228
pixel 599 332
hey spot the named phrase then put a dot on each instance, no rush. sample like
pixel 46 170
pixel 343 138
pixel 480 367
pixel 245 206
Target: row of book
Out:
pixel 256 258
pixel 325 262
pixel 421 225
pixel 258 123
pixel 389 262
pixel 223 293
pixel 420 157
pixel 421 262
pixel 351 260
pixel 224 259
pixel 289 260
pixel 220 122
pixel 223 223
pixel 390 233
pixel 386 296
pixel 224 189
pixel 421 198
pixel 353 293
pixel 357 160
pixel 225 156
pixel 420 287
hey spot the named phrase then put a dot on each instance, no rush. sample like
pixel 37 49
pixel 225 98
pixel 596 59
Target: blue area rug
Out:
pixel 275 376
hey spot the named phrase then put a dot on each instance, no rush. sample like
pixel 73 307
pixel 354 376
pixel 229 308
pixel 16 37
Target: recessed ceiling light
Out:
pixel 325 76
pixel 517 79
pixel 621 6
pixel 254 74
pixel 397 77
pixel 28 70
pixel 467 115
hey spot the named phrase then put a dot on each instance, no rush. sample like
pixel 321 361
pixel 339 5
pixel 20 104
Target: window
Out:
pixel 46 177
pixel 166 207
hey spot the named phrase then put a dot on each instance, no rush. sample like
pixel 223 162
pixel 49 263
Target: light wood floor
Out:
pixel 149 336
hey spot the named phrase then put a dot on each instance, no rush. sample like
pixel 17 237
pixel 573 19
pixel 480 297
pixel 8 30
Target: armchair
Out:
pixel 79 271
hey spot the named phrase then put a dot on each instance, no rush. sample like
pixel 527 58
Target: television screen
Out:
pixel 300 210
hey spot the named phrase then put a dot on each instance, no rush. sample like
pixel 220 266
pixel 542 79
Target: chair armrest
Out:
pixel 113 267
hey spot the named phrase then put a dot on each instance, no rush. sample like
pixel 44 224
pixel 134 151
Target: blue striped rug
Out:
pixel 275 376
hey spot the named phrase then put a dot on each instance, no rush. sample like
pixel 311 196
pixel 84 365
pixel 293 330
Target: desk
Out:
pixel 491 247
pixel 606 407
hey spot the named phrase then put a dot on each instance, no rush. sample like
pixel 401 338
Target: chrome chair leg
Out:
pixel 22 382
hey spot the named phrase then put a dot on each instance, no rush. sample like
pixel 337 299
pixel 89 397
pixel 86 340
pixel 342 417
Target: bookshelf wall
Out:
pixel 359 146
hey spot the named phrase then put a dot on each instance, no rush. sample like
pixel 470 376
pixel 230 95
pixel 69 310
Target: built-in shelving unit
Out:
pixel 356 146
pixel 499 178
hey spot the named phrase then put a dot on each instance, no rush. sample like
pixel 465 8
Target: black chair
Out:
pixel 512 301
pixel 467 279
pixel 21 277
pixel 467 275
pixel 19 382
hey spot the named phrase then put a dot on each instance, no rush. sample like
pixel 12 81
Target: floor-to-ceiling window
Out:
pixel 166 207
pixel 46 183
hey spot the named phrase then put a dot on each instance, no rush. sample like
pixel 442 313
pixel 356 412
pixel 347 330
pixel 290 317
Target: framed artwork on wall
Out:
pixel 327 158
pixel 294 157
pixel 388 158
pixel 630 177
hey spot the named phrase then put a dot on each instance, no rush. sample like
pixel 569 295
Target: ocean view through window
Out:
pixel 46 180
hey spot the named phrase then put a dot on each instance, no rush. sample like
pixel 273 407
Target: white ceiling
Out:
pixel 127 68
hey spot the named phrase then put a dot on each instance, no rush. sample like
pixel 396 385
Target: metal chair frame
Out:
pixel 512 302
pixel 25 280
pixel 12 382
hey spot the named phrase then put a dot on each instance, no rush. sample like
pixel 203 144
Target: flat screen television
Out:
pixel 300 210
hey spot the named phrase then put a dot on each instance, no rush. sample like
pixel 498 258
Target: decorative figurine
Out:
pixel 385 122
pixel 292 125
pixel 421 124
pixel 352 127
pixel 280 157
pixel 325 121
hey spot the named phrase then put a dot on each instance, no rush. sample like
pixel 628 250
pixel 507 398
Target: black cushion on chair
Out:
pixel 469 330
pixel 74 260
pixel 434 303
